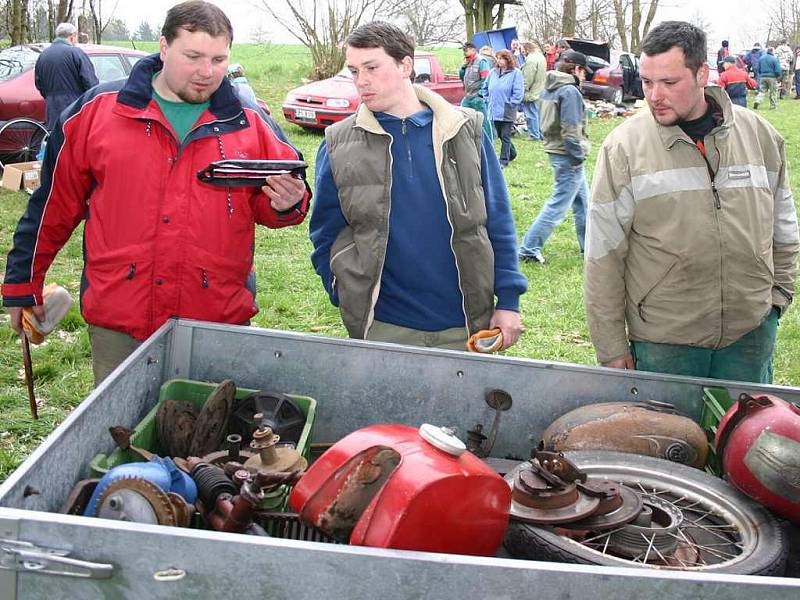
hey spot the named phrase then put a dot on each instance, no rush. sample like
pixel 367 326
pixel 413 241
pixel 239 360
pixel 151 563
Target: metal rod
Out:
pixel 26 360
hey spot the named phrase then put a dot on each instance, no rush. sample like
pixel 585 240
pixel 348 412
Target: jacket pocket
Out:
pixel 116 294
pixel 214 288
pixel 509 112
pixel 657 281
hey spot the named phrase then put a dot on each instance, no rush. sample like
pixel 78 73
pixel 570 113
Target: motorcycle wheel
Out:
pixel 722 531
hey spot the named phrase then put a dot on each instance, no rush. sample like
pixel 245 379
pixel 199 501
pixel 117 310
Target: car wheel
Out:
pixel 617 96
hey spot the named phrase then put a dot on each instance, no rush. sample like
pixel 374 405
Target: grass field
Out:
pixel 291 296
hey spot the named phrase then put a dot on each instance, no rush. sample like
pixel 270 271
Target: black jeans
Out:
pixel 507 150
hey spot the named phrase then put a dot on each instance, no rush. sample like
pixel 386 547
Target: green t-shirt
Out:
pixel 181 115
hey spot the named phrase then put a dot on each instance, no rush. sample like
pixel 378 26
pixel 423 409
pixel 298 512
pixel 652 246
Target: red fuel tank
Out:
pixel 758 440
pixel 394 486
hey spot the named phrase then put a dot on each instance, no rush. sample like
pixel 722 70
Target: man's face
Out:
pixel 194 64
pixel 672 91
pixel 380 80
pixel 469 53
pixel 548 48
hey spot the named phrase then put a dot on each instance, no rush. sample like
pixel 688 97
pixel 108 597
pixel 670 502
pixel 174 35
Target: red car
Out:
pixel 322 103
pixel 18 94
pixel 20 141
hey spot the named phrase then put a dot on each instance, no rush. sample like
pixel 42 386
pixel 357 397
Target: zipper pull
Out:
pixel 714 191
pixel 204 282
pixel 403 126
pixel 131 271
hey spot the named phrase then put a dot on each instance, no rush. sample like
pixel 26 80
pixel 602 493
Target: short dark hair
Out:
pixel 380 34
pixel 197 15
pixel 677 34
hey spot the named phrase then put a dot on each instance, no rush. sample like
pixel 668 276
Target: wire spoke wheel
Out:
pixel 20 140
pixel 698 523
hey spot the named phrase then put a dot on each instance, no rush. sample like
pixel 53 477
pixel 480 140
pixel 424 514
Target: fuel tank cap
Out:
pixel 442 438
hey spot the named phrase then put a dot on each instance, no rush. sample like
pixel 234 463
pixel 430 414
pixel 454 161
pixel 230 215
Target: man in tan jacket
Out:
pixel 692 234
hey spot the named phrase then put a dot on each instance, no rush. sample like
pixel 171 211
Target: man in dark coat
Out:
pixel 63 72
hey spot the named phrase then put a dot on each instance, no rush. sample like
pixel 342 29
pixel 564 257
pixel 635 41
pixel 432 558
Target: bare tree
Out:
pixel 482 15
pixel 431 22
pixel 630 28
pixel 784 21
pixel 569 16
pixel 98 25
pixel 542 21
pixel 539 20
pixel 322 27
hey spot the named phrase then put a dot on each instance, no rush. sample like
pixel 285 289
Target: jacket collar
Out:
pixel 672 133
pixel 138 90
pixel 447 119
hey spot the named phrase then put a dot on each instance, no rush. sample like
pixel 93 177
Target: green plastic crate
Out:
pixel 716 402
pixel 145 434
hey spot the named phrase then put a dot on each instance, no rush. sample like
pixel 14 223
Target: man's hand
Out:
pixel 15 313
pixel 284 191
pixel 510 323
pixel 626 362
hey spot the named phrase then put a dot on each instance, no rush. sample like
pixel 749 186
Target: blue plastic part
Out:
pixel 159 471
pixel 498 39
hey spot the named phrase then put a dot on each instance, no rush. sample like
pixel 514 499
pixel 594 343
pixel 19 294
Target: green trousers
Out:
pixel 748 359
pixel 451 339
pixel 479 104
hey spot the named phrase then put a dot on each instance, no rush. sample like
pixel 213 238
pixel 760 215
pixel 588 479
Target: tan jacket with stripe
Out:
pixel 684 251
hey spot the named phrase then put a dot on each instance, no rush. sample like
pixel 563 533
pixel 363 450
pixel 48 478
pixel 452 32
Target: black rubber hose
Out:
pixel 211 483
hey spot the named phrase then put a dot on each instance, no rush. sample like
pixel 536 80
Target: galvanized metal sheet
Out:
pixel 355 384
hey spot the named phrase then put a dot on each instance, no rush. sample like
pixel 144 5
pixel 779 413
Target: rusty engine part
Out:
pixel 140 501
pixel 552 490
pixel 278 412
pixel 638 428
pixel 655 529
pixel 175 425
pixel 271 457
pixel 122 438
pixel 234 453
pixel 475 440
pixel 212 422
pixel 229 497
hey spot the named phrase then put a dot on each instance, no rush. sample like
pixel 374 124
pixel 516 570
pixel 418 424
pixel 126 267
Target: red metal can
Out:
pixel 394 486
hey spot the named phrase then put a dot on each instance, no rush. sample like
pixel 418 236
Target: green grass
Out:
pixel 291 295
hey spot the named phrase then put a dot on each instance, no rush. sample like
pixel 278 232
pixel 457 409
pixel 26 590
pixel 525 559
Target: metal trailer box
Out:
pixel 44 554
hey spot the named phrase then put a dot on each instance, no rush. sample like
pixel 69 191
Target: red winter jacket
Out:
pixel 157 242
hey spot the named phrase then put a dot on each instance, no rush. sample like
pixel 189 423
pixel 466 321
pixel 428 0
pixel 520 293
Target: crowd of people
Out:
pixel 691 234
pixel 772 71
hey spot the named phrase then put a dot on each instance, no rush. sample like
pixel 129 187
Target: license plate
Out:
pixel 305 114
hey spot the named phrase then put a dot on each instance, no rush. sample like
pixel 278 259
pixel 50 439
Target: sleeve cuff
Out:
pixel 507 301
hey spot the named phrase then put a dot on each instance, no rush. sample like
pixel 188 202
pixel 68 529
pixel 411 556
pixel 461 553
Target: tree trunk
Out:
pixel 636 19
pixel 64 12
pixel 619 14
pixel 568 17
pixel 19 22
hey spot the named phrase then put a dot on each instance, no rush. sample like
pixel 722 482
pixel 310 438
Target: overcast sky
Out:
pixel 740 21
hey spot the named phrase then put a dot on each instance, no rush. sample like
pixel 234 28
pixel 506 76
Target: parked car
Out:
pixel 615 76
pixel 18 94
pixel 328 101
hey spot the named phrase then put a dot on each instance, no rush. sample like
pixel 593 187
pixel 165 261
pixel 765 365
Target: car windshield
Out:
pixel 15 60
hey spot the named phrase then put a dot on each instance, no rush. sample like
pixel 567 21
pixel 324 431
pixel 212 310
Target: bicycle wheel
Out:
pixel 20 140
pixel 714 528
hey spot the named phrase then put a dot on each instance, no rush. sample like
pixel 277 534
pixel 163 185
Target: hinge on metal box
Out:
pixel 17 555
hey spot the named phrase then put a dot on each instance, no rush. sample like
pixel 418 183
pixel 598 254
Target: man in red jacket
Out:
pixel 735 81
pixel 158 242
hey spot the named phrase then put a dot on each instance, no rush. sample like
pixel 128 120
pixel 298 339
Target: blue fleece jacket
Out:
pixel 505 93
pixel 769 66
pixel 419 284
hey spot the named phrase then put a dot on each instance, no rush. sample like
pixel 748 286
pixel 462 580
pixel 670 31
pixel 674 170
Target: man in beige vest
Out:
pixel 412 227
pixel 692 235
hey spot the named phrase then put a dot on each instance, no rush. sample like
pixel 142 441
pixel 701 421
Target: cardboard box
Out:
pixel 25 176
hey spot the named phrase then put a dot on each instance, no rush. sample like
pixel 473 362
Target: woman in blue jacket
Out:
pixel 506 87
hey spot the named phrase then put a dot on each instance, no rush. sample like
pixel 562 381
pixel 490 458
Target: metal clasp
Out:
pixel 17 555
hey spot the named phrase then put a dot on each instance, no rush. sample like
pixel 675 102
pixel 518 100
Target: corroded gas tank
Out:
pixel 634 427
